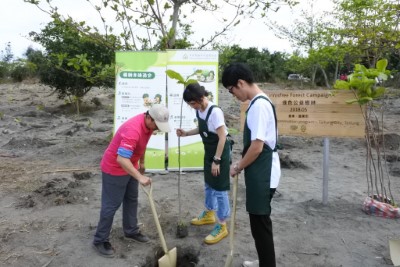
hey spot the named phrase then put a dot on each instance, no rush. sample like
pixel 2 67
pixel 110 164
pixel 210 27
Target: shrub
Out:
pixel 4 70
pixel 20 73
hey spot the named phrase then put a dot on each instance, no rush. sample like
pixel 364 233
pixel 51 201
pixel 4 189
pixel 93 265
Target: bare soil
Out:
pixel 50 188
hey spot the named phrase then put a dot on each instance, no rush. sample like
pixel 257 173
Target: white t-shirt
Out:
pixel 261 122
pixel 215 120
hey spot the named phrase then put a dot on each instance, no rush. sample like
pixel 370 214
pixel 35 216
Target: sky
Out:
pixel 19 18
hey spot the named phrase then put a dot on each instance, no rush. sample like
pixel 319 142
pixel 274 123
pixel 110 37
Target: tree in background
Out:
pixel 165 24
pixel 297 63
pixel 358 32
pixel 307 34
pixel 72 64
pixel 371 26
pixel 394 66
pixel 278 66
pixel 16 69
pixel 6 56
pixel 266 67
pixel 79 56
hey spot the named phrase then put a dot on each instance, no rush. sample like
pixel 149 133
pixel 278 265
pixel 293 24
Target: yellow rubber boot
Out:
pixel 217 234
pixel 206 217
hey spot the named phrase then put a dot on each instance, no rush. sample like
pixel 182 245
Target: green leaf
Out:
pixel 360 70
pixel 381 65
pixel 355 82
pixel 175 75
pixel 368 91
pixel 351 101
pixel 190 81
pixel 233 131
pixel 341 85
pixel 366 99
pixel 382 76
pixel 379 91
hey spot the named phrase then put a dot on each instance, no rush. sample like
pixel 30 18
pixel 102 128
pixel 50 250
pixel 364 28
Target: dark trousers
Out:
pixel 117 190
pixel 261 230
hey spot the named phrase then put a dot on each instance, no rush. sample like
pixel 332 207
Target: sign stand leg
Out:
pixel 325 172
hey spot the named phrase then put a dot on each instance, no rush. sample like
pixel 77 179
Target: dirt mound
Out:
pixel 26 143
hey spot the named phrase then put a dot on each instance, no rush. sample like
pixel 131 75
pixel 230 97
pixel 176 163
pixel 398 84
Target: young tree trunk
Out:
pixel 336 72
pixel 325 77
pixel 313 74
pixel 77 105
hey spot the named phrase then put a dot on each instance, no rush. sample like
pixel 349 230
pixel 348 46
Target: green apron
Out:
pixel 258 174
pixel 210 142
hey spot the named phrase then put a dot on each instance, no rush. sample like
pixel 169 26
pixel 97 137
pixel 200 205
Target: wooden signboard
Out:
pixel 322 113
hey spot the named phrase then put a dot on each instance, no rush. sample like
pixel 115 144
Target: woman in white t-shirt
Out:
pixel 213 131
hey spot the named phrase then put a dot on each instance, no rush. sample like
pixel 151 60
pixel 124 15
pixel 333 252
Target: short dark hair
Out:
pixel 235 72
pixel 147 114
pixel 194 92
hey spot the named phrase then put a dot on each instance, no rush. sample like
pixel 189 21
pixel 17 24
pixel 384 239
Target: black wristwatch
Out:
pixel 216 160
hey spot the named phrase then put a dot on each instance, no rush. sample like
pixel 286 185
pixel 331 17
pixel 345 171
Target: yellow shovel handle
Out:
pixel 149 192
pixel 157 222
pixel 233 214
pixel 229 258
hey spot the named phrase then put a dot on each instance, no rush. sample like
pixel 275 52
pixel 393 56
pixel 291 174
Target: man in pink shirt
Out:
pixel 123 169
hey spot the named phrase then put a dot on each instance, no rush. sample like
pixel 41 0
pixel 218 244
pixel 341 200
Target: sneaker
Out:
pixel 250 263
pixel 139 237
pixel 104 249
pixel 217 234
pixel 206 217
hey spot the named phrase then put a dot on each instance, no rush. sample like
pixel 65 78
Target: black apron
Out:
pixel 258 174
pixel 210 142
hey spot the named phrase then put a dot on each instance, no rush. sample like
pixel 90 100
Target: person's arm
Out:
pixel 127 165
pixel 182 133
pixel 220 147
pixel 262 115
pixel 142 168
pixel 251 155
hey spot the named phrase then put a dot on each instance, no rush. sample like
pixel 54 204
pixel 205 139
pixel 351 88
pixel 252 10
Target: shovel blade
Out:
pixel 229 260
pixel 169 259
pixel 395 251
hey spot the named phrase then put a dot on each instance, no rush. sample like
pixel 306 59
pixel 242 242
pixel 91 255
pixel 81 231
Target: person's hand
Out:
pixel 215 169
pixel 181 132
pixel 234 169
pixel 144 180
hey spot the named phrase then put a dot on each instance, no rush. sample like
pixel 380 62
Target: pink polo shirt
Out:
pixel 132 135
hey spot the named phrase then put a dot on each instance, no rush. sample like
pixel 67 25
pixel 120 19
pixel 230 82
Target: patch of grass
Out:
pixel 233 131
pixel 40 107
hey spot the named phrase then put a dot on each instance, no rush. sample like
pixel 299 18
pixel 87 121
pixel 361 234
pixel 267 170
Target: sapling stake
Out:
pixel 182 228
